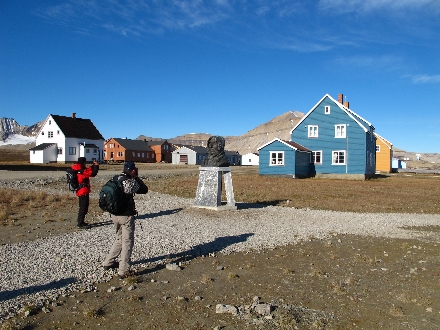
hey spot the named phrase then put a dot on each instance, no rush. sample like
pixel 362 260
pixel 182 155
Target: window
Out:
pixel 338 157
pixel 42 133
pixel 58 132
pixel 165 147
pixel 327 109
pixel 317 157
pixel 95 151
pixel 50 122
pixel 72 150
pixel 377 148
pixel 120 154
pixel 313 131
pixel 139 154
pixel 276 158
pixel 60 151
pixel 143 155
pixel 133 154
pixel 340 131
pixel 111 145
pixel 50 134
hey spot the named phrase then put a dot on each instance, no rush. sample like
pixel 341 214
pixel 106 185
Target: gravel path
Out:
pixel 39 271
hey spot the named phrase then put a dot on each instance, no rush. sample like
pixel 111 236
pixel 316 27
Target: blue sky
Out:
pixel 166 68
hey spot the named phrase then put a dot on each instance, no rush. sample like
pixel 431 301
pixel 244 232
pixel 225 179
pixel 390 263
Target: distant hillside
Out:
pixel 279 127
pixel 8 127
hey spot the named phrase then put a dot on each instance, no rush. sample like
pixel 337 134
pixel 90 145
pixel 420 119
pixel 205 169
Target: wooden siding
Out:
pixel 289 167
pixel 118 153
pixel 383 157
pixel 357 142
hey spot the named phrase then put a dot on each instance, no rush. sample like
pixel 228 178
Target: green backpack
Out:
pixel 112 197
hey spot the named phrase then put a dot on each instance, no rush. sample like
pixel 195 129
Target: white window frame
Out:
pixel 340 131
pixel 336 155
pixel 72 150
pixel 276 158
pixel 377 148
pixel 327 109
pixel 60 151
pixel 312 131
pixel 313 154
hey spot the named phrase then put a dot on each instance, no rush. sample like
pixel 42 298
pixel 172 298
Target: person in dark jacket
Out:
pixel 84 173
pixel 125 221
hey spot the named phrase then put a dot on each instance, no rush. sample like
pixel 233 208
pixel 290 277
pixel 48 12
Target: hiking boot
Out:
pixel 130 273
pixel 112 266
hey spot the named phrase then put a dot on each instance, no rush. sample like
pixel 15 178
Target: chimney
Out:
pixel 347 105
pixel 341 98
pixel 73 114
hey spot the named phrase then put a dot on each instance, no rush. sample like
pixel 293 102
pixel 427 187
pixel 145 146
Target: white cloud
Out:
pixel 371 5
pixel 426 79
pixel 386 62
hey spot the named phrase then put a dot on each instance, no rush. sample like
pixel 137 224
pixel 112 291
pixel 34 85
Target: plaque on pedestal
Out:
pixel 209 189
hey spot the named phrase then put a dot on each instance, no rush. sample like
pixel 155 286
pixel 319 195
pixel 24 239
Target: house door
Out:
pixel 184 159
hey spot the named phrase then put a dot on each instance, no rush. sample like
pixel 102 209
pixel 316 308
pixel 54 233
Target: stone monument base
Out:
pixel 209 189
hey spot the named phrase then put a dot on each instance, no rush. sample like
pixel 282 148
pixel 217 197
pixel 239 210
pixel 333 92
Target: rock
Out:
pixel 45 310
pixel 226 309
pixel 220 267
pixel 173 266
pixel 131 287
pixel 263 309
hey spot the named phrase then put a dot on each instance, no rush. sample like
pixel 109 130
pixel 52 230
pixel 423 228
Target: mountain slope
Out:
pixel 278 127
pixel 9 127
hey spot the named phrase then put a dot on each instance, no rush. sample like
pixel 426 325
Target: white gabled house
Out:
pixel 191 155
pixel 251 158
pixel 64 139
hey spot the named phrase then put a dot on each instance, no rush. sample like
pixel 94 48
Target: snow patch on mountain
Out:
pixel 17 139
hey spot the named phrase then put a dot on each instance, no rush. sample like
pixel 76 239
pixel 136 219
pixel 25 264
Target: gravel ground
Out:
pixel 37 271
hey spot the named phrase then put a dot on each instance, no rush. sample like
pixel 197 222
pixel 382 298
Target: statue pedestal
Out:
pixel 209 189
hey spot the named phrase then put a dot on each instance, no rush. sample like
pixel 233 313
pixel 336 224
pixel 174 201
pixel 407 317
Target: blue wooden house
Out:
pixel 281 157
pixel 341 141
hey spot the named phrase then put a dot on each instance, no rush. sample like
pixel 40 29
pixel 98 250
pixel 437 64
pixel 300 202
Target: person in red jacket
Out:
pixel 84 173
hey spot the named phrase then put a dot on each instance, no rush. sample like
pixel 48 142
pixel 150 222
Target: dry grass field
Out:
pixel 344 282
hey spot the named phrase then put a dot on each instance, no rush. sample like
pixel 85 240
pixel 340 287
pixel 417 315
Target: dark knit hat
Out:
pixel 82 160
pixel 129 166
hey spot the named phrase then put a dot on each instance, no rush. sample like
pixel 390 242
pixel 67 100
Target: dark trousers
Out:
pixel 83 208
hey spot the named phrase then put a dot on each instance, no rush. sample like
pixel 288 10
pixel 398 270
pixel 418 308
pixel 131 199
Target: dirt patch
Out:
pixel 347 282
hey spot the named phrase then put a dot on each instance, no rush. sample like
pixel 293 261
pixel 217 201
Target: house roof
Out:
pixel 385 141
pixel 90 145
pixel 290 144
pixel 358 119
pixel 196 149
pixel 42 146
pixel 156 142
pixel 129 144
pixel 232 153
pixel 77 127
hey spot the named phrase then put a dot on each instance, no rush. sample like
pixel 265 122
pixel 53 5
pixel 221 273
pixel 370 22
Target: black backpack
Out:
pixel 112 197
pixel 72 179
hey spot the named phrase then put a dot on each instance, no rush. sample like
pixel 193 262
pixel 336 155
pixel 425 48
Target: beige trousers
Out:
pixel 123 244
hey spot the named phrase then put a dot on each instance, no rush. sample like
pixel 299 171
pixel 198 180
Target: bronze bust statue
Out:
pixel 216 153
